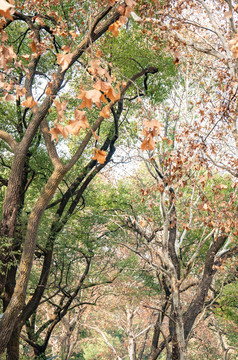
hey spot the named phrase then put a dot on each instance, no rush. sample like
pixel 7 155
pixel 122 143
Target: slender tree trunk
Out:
pixel 132 348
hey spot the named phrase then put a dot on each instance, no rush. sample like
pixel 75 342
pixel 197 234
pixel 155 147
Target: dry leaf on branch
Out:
pixel 64 60
pixel 60 108
pixel 6 9
pixel 91 96
pixel 105 112
pixel 100 156
pixel 59 129
pixel 29 102
pixel 151 129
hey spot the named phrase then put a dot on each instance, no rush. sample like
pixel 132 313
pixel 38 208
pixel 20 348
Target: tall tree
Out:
pixel 43 45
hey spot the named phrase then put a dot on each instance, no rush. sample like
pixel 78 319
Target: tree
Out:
pixel 188 229
pixel 42 48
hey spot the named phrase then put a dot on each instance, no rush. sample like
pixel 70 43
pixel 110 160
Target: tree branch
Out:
pixel 8 139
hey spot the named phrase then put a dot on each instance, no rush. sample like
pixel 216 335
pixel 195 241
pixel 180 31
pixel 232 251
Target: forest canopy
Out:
pixel 118 179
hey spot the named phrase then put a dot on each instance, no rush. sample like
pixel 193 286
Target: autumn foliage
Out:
pixel 158 81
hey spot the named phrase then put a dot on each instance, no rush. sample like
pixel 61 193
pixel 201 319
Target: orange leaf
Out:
pixel 54 132
pixel 6 9
pixel 100 156
pixel 148 143
pixel 114 28
pixel 33 46
pixel 29 102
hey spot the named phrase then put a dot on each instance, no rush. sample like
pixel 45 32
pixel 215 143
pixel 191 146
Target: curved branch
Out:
pixel 8 138
pixel 50 145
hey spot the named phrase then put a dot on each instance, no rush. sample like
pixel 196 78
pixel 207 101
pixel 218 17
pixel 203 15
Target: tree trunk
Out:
pixel 13 345
pixel 132 348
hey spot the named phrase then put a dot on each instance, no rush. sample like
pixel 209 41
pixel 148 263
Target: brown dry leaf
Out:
pixel 74 127
pixel 40 21
pixel 91 96
pixel 26 57
pixel 80 115
pixel 6 9
pixel 95 69
pixel 222 186
pixel 29 102
pixel 8 54
pixel 152 124
pixel 148 143
pixel 228 14
pixel 4 36
pixel 86 102
pixel 54 132
pixel 123 20
pixel 59 129
pixel 33 47
pixel 233 45
pixel 207 207
pixel 128 11
pixel 60 108
pixel 105 112
pixel 95 96
pixel 108 90
pixel 48 90
pixel 114 28
pixel 102 86
pixel 20 91
pixel 81 118
pixel 99 53
pixel 64 60
pixel 95 136
pixel 131 3
pixel 121 9
pixel 9 97
pixel 100 156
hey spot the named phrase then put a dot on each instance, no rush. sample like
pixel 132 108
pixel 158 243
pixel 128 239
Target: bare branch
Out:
pixel 215 26
pixel 200 47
